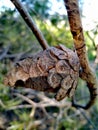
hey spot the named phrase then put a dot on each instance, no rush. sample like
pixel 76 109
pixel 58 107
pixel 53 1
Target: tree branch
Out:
pixel 92 40
pixel 77 32
pixel 27 18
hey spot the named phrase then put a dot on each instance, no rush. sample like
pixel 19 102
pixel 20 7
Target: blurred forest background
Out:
pixel 26 109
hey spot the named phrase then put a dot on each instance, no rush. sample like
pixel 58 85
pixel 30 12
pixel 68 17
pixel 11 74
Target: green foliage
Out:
pixel 14 32
pixel 90 47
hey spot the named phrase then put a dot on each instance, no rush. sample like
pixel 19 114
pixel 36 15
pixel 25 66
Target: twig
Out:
pixel 42 104
pixel 25 98
pixel 5 50
pixel 34 124
pixel 59 118
pixel 92 40
pixel 89 121
pixel 20 107
pixel 27 18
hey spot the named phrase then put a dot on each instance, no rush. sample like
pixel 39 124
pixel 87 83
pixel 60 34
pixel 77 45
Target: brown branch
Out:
pixel 77 32
pixel 27 18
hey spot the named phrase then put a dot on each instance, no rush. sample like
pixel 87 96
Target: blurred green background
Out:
pixel 38 111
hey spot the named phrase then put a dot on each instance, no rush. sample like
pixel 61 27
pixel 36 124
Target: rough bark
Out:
pixel 29 21
pixel 86 72
pixel 55 69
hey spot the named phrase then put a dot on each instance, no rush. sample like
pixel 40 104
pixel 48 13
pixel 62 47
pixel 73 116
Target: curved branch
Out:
pixel 77 32
pixel 27 18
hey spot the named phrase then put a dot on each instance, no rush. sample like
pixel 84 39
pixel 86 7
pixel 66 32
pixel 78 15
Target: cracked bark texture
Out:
pixel 55 69
pixel 86 72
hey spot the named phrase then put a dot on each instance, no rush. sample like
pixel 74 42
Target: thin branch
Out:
pixel 4 52
pixel 43 104
pixel 25 98
pixel 27 18
pixel 87 118
pixel 92 40
pixel 20 107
